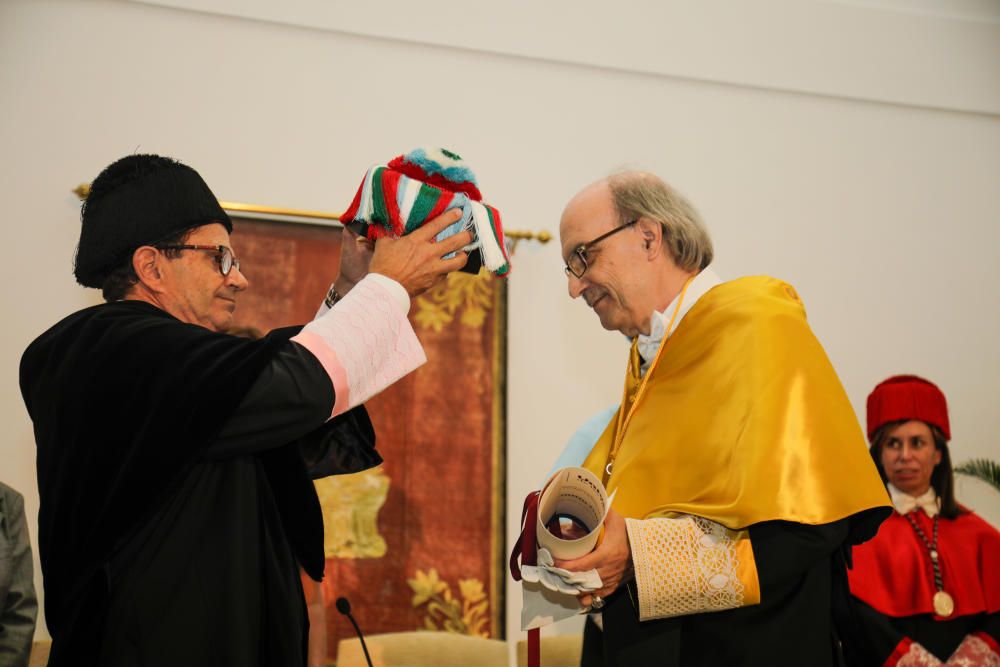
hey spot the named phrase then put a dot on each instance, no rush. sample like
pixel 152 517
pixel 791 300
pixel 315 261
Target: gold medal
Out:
pixel 943 604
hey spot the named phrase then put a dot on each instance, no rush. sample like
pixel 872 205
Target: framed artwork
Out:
pixel 416 543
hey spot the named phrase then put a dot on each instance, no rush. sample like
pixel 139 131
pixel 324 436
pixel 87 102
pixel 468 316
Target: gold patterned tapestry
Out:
pixel 416 543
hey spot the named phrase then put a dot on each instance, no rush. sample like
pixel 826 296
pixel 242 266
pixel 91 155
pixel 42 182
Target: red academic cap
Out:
pixel 906 397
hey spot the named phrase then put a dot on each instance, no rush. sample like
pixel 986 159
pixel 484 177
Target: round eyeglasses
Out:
pixel 223 255
pixel 577 263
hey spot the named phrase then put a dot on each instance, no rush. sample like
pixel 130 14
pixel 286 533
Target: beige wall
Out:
pixel 850 149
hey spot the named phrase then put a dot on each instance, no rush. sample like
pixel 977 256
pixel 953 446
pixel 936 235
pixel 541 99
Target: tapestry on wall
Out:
pixel 415 544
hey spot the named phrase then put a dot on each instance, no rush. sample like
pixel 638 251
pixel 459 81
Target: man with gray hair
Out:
pixel 740 473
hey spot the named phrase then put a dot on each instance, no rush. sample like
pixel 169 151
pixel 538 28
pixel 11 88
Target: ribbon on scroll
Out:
pixel 565 520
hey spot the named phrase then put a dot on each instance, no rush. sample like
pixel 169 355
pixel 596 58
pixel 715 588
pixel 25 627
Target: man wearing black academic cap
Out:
pixel 174 460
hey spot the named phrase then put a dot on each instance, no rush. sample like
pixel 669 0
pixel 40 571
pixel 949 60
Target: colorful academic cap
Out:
pixel 397 198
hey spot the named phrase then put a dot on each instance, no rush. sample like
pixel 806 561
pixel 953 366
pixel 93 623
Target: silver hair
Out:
pixel 643 195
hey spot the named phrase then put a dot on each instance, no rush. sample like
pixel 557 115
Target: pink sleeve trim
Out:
pixel 331 364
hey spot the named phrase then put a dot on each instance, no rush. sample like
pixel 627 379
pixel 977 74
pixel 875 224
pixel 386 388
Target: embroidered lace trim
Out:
pixel 973 652
pixel 684 565
pixel 918 656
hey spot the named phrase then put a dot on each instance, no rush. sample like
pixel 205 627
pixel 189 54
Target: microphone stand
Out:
pixel 344 607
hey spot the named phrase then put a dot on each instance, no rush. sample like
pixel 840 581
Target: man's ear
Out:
pixel 652 237
pixel 146 262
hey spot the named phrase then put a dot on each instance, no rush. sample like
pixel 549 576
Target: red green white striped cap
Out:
pixel 396 198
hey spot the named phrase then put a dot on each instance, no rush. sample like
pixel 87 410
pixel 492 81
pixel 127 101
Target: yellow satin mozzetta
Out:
pixel 742 420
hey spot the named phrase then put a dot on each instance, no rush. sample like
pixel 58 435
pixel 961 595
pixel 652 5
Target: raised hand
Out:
pixel 415 261
pixel 355 258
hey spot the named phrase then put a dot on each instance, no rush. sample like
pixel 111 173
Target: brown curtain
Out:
pixel 416 543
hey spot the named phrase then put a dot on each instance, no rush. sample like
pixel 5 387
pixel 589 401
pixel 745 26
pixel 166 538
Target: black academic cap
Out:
pixel 139 200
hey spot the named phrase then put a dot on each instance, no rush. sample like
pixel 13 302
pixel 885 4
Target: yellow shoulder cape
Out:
pixel 742 420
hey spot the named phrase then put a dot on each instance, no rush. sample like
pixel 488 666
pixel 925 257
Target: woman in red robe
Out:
pixel 927 586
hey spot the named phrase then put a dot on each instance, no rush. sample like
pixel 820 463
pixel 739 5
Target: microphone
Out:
pixel 344 607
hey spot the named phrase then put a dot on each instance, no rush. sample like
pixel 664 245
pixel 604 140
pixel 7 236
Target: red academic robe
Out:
pixel 894 579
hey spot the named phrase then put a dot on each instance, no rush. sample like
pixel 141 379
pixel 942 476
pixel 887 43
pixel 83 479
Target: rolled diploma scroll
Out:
pixel 578 493
pixel 550 594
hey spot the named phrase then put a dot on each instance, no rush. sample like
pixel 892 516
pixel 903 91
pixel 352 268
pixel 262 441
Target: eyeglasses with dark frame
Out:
pixel 577 264
pixel 224 256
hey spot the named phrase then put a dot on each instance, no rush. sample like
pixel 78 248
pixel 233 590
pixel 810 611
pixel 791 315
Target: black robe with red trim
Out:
pixel 893 582
pixel 176 503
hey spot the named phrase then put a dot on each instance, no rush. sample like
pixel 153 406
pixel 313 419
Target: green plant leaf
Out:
pixel 984 469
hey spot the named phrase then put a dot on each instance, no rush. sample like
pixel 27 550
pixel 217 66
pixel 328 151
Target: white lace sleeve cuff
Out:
pixel 917 656
pixel 690 565
pixel 398 293
pixel 365 342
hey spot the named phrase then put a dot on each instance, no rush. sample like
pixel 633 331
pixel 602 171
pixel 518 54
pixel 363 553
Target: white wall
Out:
pixel 871 185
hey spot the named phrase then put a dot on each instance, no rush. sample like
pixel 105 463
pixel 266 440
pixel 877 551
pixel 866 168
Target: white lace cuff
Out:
pixel 917 656
pixel 365 342
pixel 397 290
pixel 974 651
pixel 690 565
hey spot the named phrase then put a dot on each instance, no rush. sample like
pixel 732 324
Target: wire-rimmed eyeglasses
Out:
pixel 223 255
pixel 577 264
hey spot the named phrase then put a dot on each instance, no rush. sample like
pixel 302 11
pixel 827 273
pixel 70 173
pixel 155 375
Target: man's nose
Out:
pixel 237 280
pixel 575 285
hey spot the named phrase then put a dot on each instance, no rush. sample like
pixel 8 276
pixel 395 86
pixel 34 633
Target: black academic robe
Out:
pixel 883 635
pixel 176 502
pixel 802 577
